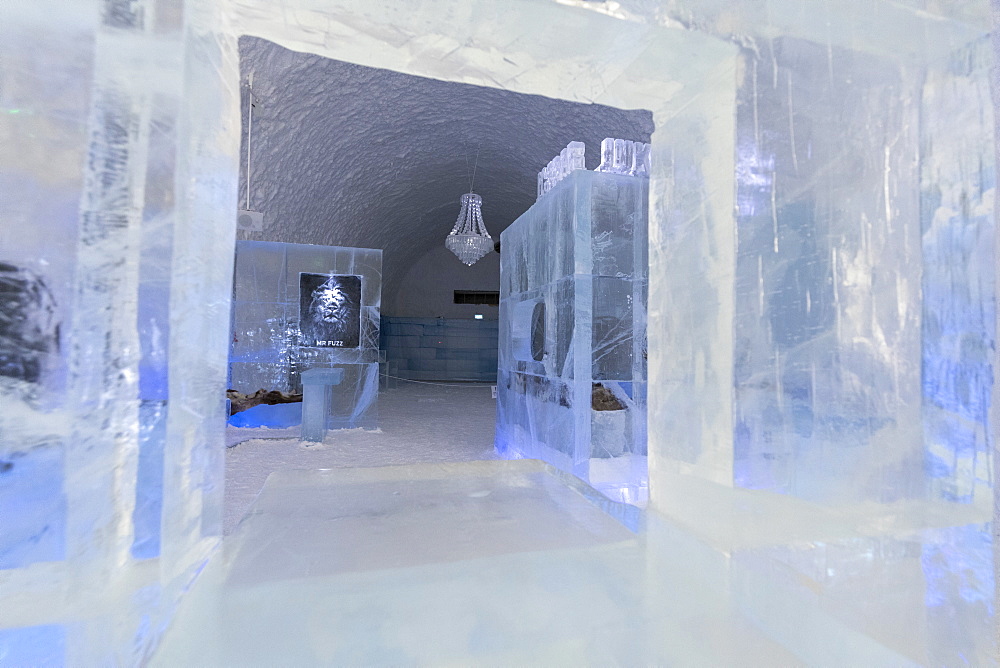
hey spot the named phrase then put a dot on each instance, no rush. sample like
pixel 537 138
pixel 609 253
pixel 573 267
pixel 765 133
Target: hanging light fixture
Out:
pixel 469 239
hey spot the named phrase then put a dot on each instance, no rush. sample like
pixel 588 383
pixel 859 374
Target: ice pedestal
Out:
pixel 348 400
pixel 317 394
pixel 572 362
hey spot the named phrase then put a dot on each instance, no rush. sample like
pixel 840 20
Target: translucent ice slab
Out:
pixel 508 562
pixel 571 385
pixel 270 345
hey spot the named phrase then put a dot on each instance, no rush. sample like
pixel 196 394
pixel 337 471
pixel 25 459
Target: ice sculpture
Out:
pixel 571 385
pixel 569 159
pixel 299 307
pixel 621 156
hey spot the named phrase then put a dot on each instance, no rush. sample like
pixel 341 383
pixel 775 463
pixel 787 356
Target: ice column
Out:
pixel 115 263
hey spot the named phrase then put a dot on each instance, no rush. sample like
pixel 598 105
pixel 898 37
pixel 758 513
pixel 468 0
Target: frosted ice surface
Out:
pixel 270 349
pixel 512 562
pixel 571 380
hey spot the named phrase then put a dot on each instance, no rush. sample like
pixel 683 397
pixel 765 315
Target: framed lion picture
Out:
pixel 329 311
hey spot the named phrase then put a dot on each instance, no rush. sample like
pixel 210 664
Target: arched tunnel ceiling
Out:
pixel 345 155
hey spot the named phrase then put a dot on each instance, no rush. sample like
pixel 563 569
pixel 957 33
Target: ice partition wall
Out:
pixel 301 306
pixel 571 385
pixel 862 369
pixel 116 201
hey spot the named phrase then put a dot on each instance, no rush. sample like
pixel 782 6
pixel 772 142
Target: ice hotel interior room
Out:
pixel 498 332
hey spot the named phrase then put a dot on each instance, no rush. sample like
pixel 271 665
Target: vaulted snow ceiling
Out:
pixel 345 155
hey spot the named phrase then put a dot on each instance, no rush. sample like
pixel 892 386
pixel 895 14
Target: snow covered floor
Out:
pixel 418 423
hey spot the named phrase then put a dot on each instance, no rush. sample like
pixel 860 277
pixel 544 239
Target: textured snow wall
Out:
pixel 571 385
pixel 326 131
pixel 270 349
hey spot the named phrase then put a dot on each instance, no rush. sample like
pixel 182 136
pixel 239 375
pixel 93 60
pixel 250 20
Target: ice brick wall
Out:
pixel 864 276
pixel 441 348
pixel 827 323
pixel 571 380
pixel 266 351
pixel 112 357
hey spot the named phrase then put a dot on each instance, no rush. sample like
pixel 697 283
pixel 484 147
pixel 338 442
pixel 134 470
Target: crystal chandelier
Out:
pixel 469 239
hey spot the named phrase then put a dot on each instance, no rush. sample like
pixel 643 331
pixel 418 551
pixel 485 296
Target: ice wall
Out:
pixel 462 349
pixel 862 369
pixel 827 323
pixel 112 188
pixel 856 349
pixel 571 384
pixel 270 344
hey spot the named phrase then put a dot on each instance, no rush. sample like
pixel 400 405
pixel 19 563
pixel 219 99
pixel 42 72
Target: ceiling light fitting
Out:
pixel 469 239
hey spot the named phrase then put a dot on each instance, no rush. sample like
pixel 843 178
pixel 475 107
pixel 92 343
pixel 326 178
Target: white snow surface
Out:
pixel 418 422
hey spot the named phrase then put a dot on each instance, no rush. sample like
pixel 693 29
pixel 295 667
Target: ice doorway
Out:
pixel 349 157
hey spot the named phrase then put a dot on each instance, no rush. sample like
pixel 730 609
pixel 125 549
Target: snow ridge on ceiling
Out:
pixel 346 155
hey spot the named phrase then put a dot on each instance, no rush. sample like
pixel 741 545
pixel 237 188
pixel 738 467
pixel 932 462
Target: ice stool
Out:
pixel 317 393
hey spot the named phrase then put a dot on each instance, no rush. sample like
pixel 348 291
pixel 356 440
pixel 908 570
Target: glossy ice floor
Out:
pixel 507 562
